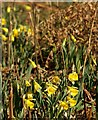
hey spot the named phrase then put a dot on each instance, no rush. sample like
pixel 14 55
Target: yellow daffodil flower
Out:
pixel 27 7
pixel 12 38
pixel 51 89
pixel 73 77
pixel 21 28
pixel 8 9
pixel 71 101
pixel 56 80
pixel 37 87
pixel 4 38
pixel 30 32
pixel 14 9
pixel 28 104
pixel 63 105
pixel 66 18
pixel 24 28
pixel 28 83
pixel 29 96
pixel 15 32
pixel 5 29
pixel 3 21
pixel 73 91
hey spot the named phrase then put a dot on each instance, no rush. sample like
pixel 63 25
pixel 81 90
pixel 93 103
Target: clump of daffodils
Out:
pixel 28 97
pixel 4 30
pixel 16 32
pixel 71 93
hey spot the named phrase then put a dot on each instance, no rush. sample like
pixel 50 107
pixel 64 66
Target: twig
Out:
pixel 11 102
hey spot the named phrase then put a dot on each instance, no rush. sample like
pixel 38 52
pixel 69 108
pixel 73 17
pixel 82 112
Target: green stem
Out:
pixel 69 113
pixel 58 113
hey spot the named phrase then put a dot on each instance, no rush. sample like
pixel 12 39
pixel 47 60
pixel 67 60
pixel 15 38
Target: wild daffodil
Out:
pixel 29 95
pixel 30 32
pixel 5 29
pixel 63 105
pixel 8 9
pixel 73 91
pixel 28 83
pixel 15 32
pixel 27 7
pixel 4 38
pixel 12 38
pixel 3 21
pixel 51 89
pixel 37 87
pixel 21 28
pixel 71 101
pixel 28 104
pixel 73 77
pixel 56 80
pixel 14 8
pixel 24 28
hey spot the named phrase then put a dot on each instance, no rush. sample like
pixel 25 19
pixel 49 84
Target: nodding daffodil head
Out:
pixel 72 102
pixel 64 105
pixel 73 77
pixel 3 21
pixel 37 87
pixel 28 104
pixel 51 89
pixel 73 91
